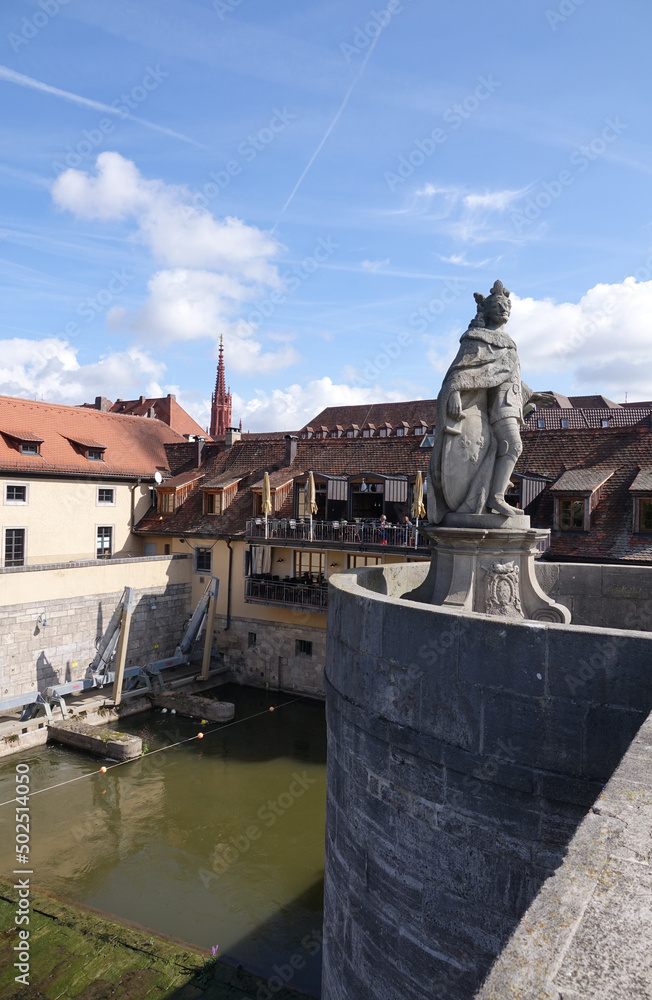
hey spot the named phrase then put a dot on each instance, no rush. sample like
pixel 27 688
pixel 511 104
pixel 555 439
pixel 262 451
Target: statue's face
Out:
pixel 497 310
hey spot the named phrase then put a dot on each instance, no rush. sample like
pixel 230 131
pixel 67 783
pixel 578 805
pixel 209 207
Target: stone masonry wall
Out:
pixel 464 752
pixel 605 596
pixel 33 657
pixel 273 659
pixel 587 933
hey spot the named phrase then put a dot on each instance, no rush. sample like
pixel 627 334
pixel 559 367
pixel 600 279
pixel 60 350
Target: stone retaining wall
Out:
pixel 272 659
pixel 34 656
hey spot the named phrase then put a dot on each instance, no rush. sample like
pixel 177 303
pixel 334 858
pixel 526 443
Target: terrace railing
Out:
pixel 341 533
pixel 289 592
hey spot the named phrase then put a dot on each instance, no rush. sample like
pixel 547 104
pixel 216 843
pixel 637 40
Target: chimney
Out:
pixel 199 448
pixel 102 403
pixel 142 399
pixel 290 448
pixel 172 396
pixel 232 435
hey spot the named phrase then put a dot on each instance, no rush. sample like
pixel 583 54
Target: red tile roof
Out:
pixel 165 408
pixel 394 414
pixel 552 453
pixel 592 402
pixel 251 458
pixel 581 480
pixel 582 419
pixel 131 447
pixel 86 442
pixel 22 435
pixel 643 481
pixel 177 481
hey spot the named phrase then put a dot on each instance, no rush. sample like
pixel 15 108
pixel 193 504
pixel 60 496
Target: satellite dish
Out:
pixel 158 478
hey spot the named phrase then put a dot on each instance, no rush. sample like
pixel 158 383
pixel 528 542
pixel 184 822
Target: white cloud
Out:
pixel 211 267
pixel 602 342
pixel 467 216
pixel 48 369
pixel 292 407
pixel 493 201
pixel 375 265
pixel 116 192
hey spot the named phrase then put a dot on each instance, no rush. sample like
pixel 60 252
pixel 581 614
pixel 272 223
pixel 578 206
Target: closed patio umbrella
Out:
pixel 418 510
pixel 312 499
pixel 266 502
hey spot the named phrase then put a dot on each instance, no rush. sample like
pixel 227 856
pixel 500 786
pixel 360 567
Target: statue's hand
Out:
pixel 455 405
pixel 542 399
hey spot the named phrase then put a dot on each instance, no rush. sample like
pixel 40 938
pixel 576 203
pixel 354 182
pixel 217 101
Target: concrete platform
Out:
pixel 95 707
pixel 195 708
pixel 104 743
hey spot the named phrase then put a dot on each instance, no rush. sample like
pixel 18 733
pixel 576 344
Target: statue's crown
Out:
pixel 499 290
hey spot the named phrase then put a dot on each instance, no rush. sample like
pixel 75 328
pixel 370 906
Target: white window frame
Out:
pixel 97 528
pixel 105 503
pixel 15 503
pixel 3 542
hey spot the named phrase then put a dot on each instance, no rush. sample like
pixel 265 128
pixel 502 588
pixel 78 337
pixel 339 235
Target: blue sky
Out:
pixel 325 184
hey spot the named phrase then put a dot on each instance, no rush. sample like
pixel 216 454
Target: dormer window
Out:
pixel 564 422
pixel 25 442
pixel 166 502
pixel 174 492
pixel 577 493
pixel 219 493
pixel 645 515
pixel 93 451
pixel 571 514
pixel 641 491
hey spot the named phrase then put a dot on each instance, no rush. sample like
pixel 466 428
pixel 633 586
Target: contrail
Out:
pixel 11 76
pixel 330 128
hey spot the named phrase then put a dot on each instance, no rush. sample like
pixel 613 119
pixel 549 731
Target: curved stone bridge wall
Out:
pixel 464 751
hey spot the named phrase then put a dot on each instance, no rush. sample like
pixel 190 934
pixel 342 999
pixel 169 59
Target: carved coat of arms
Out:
pixel 503 590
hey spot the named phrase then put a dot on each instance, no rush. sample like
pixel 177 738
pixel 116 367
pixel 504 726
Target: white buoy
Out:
pixel 164 710
pixel 173 711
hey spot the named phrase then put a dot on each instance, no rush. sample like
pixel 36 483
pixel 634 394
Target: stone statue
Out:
pixel 480 413
pixel 483 549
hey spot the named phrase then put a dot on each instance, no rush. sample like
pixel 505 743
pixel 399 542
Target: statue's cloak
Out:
pixel 462 462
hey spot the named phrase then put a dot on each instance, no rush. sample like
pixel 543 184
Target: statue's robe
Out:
pixel 463 457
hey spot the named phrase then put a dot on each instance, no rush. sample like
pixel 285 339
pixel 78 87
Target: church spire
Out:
pixel 221 400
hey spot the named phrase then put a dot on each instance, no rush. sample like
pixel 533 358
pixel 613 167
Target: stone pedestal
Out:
pixel 489 570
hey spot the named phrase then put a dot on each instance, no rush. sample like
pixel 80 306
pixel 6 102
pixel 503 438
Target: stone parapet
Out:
pixel 464 753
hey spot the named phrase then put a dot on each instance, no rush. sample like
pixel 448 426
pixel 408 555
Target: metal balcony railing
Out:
pixel 289 592
pixel 353 533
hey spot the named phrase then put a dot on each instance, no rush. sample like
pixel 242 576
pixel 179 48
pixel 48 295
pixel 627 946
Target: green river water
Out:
pixel 218 842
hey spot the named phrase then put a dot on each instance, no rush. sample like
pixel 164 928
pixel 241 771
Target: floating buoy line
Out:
pixel 120 763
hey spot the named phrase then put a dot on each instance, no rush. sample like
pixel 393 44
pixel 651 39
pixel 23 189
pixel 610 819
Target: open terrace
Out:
pixel 338 534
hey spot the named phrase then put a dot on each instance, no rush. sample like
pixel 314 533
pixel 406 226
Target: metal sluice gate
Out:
pixel 108 667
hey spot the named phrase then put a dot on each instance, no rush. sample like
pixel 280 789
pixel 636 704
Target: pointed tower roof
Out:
pixel 221 401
